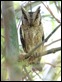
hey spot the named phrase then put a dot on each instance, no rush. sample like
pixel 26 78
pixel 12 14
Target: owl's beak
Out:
pixel 31 22
pixel 31 25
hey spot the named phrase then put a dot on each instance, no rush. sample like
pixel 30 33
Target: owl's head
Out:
pixel 31 19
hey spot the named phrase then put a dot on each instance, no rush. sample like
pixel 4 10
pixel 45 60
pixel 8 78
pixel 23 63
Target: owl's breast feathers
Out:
pixel 31 38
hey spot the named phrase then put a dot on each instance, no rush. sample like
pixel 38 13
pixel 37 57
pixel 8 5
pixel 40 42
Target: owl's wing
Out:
pixel 43 37
pixel 22 39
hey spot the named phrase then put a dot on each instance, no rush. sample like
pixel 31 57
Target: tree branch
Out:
pixel 47 52
pixel 47 7
pixel 38 75
pixel 51 51
pixel 52 42
pixel 27 74
pixel 57 6
pixel 23 57
pixel 51 64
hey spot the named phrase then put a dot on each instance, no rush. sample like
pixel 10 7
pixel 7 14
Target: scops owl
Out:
pixel 31 32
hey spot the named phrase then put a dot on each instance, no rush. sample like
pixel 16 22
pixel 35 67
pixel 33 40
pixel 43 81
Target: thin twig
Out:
pixel 47 7
pixel 50 51
pixel 57 6
pixel 27 73
pixel 51 64
pixel 38 75
pixel 45 40
pixel 52 42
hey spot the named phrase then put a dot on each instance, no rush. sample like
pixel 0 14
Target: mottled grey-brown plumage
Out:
pixel 31 32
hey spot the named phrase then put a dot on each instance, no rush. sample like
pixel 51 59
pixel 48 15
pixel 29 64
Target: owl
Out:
pixel 31 33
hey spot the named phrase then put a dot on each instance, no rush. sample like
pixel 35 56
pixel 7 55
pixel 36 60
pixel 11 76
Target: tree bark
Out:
pixel 11 41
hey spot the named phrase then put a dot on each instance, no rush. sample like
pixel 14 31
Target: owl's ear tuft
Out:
pixel 24 13
pixel 37 12
pixel 23 10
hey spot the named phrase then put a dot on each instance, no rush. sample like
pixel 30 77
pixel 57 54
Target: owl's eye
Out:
pixel 25 18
